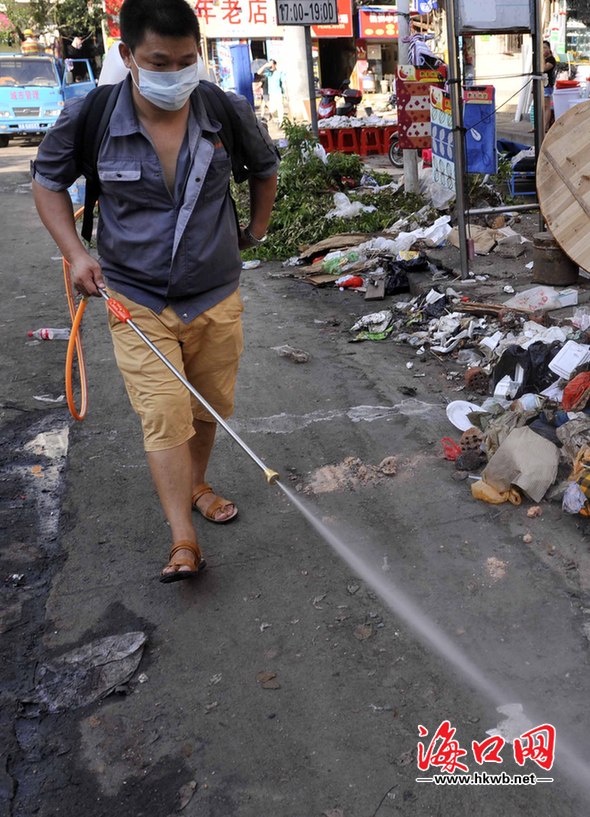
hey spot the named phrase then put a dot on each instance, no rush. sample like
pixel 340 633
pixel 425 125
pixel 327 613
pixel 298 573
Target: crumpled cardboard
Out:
pixel 484 239
pixel 524 459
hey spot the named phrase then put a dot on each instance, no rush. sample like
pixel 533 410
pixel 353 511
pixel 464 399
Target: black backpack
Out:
pixel 94 119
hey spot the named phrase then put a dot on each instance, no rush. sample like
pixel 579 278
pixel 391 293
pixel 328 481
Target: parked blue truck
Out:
pixel 33 90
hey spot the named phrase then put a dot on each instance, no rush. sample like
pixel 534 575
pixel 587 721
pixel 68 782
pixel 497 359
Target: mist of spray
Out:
pixel 429 634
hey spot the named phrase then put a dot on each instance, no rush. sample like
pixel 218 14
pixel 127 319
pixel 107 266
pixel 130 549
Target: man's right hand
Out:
pixel 86 274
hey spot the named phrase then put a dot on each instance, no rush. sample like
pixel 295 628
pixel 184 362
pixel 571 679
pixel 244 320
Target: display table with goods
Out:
pixel 348 134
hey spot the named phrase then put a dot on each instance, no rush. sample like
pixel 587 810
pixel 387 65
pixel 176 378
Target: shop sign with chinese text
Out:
pixel 238 19
pixel 343 27
pixel 378 22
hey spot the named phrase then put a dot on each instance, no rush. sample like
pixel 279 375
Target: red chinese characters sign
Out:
pixel 237 19
pixel 445 753
pixel 375 24
pixel 344 26
pixel 413 105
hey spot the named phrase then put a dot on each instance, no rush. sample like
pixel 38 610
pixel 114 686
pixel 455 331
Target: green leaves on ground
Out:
pixel 305 194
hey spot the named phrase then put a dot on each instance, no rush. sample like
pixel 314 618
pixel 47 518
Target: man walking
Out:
pixel 276 88
pixel 169 249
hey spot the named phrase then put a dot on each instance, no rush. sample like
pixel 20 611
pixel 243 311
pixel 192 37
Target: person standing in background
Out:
pixel 31 46
pixel 468 61
pixel 549 71
pixel 276 88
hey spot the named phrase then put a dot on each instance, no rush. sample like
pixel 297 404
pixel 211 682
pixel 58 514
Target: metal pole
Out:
pixel 538 86
pixel 411 183
pixel 458 133
pixel 506 208
pixel 311 84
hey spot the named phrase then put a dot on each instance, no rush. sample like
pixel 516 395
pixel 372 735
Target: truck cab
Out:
pixel 33 90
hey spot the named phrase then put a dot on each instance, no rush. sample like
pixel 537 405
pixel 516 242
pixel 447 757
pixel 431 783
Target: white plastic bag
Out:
pixel 345 208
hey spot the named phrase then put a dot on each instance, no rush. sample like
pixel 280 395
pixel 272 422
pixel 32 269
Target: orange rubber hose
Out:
pixel 75 343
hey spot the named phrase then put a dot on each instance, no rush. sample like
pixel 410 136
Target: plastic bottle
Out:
pixel 49 334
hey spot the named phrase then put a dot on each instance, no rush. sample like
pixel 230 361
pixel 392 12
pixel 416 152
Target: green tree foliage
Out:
pixel 69 17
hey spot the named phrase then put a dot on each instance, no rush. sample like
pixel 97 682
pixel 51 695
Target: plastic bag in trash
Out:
pixel 574 499
pixel 412 261
pixel 535 299
pixel 396 277
pixel 534 362
pixel 368 181
pixel 482 490
pixel 375 322
pixel 88 673
pixel 436 309
pixel 345 208
pixel 296 355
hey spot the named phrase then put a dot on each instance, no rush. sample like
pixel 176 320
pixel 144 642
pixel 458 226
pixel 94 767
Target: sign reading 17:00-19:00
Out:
pixel 307 12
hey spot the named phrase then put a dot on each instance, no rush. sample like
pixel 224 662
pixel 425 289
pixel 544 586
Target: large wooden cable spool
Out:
pixel 563 183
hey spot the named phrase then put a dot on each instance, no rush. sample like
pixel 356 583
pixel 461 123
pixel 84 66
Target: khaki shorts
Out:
pixel 206 351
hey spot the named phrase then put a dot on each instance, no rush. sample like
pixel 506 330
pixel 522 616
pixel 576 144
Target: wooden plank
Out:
pixel 563 183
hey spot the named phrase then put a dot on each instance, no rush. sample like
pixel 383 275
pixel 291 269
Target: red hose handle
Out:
pixel 118 309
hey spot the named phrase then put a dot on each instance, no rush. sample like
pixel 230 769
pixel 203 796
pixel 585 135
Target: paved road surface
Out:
pixel 83 540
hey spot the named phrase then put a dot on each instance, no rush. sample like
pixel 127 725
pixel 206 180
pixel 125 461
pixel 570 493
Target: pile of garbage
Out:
pixel 527 424
pixel 378 266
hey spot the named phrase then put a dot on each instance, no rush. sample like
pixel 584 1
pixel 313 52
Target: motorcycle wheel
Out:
pixel 395 153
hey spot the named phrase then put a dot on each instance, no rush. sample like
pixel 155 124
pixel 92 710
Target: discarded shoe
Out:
pixel 217 504
pixel 195 564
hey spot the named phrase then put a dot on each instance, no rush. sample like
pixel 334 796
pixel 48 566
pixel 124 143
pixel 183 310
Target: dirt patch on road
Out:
pixel 349 474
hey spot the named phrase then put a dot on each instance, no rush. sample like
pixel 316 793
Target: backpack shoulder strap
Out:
pixel 220 108
pixel 93 120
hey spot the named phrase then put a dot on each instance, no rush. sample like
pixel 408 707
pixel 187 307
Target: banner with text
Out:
pixel 236 20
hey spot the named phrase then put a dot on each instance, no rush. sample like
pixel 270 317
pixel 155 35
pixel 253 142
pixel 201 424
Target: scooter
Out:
pixel 395 153
pixel 327 106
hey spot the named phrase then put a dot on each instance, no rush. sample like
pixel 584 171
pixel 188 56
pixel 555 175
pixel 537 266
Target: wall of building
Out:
pixel 499 62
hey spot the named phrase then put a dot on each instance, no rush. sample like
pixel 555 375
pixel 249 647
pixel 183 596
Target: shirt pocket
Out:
pixel 122 179
pixel 216 183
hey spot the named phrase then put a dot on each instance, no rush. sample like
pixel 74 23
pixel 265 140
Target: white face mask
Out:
pixel 167 89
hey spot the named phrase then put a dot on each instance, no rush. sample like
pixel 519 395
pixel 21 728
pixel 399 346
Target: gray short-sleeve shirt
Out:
pixel 157 247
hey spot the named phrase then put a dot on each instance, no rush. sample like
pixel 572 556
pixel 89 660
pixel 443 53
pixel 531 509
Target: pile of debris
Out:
pixel 528 370
pixel 529 384
pixel 378 266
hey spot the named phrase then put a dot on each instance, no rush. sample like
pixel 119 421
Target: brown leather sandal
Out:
pixel 217 504
pixel 195 564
